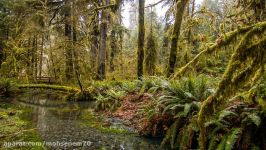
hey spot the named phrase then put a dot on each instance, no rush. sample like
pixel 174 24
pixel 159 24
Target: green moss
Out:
pixel 74 94
pixel 90 120
pixel 14 128
pixel 226 40
pixel 52 87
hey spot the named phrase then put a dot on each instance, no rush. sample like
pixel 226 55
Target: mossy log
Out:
pixel 225 40
pixel 73 94
pixel 52 87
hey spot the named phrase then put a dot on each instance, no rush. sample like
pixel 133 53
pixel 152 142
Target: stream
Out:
pixel 65 125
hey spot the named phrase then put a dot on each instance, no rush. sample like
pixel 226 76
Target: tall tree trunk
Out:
pixel 35 56
pixel 121 36
pixel 51 59
pixel 41 57
pixel 74 38
pixel 141 36
pixel 28 71
pixel 180 7
pixel 165 51
pixel 68 48
pixel 103 45
pixel 75 53
pixel 115 37
pixel 94 45
pixel 113 49
pixel 32 57
pixel 191 16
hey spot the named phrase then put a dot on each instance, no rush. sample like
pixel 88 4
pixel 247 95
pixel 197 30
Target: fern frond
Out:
pixel 222 144
pixel 232 138
pixel 213 143
pixel 225 113
pixel 254 118
pixel 174 133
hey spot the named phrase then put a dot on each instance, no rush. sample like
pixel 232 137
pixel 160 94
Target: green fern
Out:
pixel 7 87
pixel 232 138
pixel 171 134
pixel 254 118
pixel 221 145
pixel 130 87
pixel 110 100
pixel 213 142
pixel 182 99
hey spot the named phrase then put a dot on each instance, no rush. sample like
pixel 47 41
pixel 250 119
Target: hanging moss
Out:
pixel 245 62
pixel 225 40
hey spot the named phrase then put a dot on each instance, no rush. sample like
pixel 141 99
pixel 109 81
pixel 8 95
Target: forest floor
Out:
pixel 131 113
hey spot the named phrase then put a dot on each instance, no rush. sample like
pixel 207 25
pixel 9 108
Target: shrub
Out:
pixel 109 100
pixel 7 87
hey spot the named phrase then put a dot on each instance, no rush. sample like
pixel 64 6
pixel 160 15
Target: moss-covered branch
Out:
pixel 226 40
pixel 246 61
pixel 73 94
pixel 52 87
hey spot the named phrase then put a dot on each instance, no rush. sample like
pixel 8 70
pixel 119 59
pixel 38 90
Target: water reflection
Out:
pixel 61 123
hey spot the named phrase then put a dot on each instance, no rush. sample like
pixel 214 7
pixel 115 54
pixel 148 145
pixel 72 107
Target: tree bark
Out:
pixel 180 7
pixel 75 38
pixel 35 58
pixel 41 57
pixel 116 37
pixel 141 35
pixel 102 50
pixel 68 48
pixel 94 45
pixel 113 50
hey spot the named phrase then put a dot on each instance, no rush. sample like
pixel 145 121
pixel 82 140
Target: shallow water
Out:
pixel 62 126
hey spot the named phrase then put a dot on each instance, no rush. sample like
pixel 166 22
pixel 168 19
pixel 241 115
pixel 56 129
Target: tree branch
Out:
pixel 226 39
pixel 152 5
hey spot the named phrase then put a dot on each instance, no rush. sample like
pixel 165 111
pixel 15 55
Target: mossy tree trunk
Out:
pixel 68 47
pixel 103 44
pixel 245 68
pixel 28 71
pixel 121 35
pixel 116 35
pixel 74 15
pixel 180 7
pixel 36 57
pixel 141 35
pixel 150 55
pixel 94 45
pixel 114 48
pixel 32 53
pixel 41 57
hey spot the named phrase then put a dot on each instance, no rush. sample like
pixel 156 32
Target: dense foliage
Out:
pixel 194 76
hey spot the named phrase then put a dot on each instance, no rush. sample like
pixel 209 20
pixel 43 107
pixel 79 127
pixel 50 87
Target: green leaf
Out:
pixel 232 138
pixel 255 119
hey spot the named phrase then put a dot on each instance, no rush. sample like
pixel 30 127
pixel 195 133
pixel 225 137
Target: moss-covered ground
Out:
pixel 15 128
